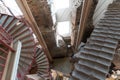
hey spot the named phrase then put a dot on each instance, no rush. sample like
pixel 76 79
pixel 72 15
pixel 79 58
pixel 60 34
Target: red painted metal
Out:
pixel 3 51
pixel 9 23
pixel 4 36
pixel 1 57
pixel 3 65
pixel 5 20
pixel 5 42
pixel 18 34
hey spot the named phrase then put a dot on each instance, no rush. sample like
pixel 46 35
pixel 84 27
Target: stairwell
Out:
pixel 95 58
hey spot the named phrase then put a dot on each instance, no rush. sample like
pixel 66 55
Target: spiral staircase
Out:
pixel 20 30
pixel 42 64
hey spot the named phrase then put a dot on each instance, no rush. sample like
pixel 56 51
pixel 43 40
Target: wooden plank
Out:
pixel 18 47
pixel 11 66
pixel 6 65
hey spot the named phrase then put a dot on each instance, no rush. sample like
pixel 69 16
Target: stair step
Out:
pixel 42 61
pixel 28 45
pixel 103 44
pixel 29 39
pixel 27 55
pixel 41 58
pixel 16 29
pixel 5 20
pixel 105 33
pixel 26 60
pixel 101 53
pixel 26 51
pixel 99 48
pixel 108 18
pixel 13 25
pixel 39 54
pixel 23 30
pixel 96 58
pixel 113 41
pixel 23 36
pixel 43 75
pixel 23 67
pixel 108 25
pixel 44 66
pixel 110 31
pixel 43 70
pixel 2 19
pixel 79 75
pixel 112 12
pixel 90 72
pixel 113 37
pixel 95 66
pixel 8 22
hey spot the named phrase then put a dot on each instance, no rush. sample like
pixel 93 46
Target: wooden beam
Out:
pixel 14 69
pixel 84 16
pixel 7 65
pixel 11 66
pixel 28 15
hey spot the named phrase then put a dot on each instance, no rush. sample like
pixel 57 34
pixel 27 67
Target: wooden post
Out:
pixel 11 66
pixel 84 15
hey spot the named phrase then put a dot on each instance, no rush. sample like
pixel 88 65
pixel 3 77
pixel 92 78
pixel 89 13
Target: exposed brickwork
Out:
pixel 41 12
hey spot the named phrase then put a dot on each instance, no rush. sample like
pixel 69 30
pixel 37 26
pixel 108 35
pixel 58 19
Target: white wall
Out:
pixel 100 9
pixel 63 15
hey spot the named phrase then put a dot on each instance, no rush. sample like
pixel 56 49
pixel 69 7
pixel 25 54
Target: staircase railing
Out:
pixel 5 48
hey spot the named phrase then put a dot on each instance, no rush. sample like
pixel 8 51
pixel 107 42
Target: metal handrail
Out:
pixel 5 39
pixel 5 48
pixel 5 36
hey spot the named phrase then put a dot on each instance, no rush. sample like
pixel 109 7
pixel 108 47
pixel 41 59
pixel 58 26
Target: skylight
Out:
pixel 59 4
pixel 64 29
pixel 13 7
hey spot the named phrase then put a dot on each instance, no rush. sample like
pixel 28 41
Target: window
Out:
pixel 64 29
pixel 59 4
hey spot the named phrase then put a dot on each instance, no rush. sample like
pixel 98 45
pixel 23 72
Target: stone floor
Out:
pixel 62 65
pixel 33 77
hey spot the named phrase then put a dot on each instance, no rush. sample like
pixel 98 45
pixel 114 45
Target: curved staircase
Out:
pixel 95 59
pixel 43 69
pixel 19 30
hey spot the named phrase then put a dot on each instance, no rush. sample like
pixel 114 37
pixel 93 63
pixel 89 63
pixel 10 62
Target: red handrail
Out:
pixel 5 36
pixel 5 48
pixel 6 45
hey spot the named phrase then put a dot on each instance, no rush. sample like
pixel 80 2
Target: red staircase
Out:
pixel 5 48
pixel 20 31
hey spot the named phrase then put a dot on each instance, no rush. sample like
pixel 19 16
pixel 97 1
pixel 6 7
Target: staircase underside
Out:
pixel 95 59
